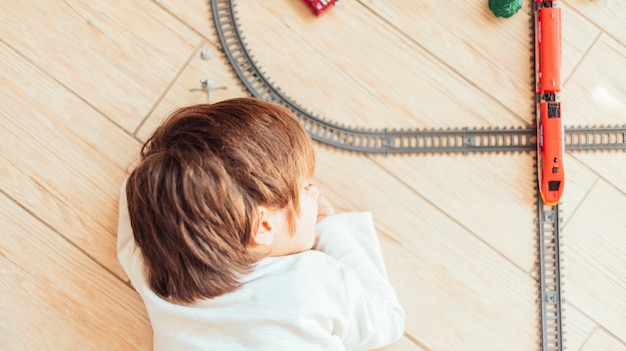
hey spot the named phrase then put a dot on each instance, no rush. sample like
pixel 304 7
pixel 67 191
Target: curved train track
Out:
pixel 419 141
pixel 392 141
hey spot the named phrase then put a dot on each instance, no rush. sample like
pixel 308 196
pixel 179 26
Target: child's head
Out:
pixel 218 187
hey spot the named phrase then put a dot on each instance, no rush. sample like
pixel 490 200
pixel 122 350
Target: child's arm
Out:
pixel 373 315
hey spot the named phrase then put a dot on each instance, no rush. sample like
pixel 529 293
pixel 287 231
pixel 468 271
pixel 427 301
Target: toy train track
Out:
pixel 546 39
pixel 435 141
pixel 393 141
pixel 549 261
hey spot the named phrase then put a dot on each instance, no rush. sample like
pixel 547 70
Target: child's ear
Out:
pixel 264 235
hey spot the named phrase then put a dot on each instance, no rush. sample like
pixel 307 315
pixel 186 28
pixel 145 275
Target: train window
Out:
pixel 554 110
pixel 554 185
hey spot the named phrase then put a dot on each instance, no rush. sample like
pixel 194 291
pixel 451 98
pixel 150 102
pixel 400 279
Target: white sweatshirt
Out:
pixel 335 297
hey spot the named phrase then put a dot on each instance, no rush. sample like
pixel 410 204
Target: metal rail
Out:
pixel 550 301
pixel 434 141
pixel 595 138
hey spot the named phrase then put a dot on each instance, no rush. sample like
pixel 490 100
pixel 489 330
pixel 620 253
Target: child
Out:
pixel 216 227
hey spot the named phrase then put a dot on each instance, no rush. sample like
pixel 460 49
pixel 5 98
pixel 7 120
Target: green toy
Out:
pixel 505 8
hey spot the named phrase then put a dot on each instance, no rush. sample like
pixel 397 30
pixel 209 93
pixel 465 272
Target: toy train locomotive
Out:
pixel 550 134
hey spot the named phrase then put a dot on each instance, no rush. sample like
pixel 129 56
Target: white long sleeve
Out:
pixel 374 317
pixel 338 299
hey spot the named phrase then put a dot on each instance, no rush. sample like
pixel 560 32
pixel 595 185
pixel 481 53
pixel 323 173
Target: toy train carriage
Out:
pixel 318 7
pixel 550 146
pixel 548 49
pixel 550 134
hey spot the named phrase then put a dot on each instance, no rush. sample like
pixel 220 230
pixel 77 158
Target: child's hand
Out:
pixel 324 208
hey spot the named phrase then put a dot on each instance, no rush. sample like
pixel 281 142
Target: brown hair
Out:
pixel 193 197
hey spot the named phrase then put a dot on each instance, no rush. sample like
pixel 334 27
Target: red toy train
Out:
pixel 550 134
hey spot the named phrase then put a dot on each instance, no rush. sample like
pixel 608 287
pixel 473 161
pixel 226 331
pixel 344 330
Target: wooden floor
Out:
pixel 83 83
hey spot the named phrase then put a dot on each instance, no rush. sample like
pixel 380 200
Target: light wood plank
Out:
pixel 601 341
pixel 578 327
pixel 608 15
pixel 490 195
pixel 577 35
pixel 404 344
pixel 492 53
pixel 352 67
pixel 595 257
pixel 195 14
pixel 119 56
pixel 611 166
pixel 60 158
pixel 79 77
pixel 595 94
pixel 56 298
pixel 28 92
pixel 458 292
pixel 493 196
pixel 179 95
